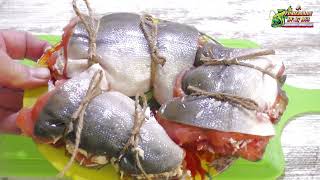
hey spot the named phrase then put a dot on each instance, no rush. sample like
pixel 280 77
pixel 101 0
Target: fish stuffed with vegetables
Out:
pixel 212 102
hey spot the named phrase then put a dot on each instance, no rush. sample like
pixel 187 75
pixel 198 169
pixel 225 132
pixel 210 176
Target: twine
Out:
pixel 244 102
pixel 132 143
pixel 91 29
pixel 236 61
pixel 151 37
pixel 92 92
pixel 93 89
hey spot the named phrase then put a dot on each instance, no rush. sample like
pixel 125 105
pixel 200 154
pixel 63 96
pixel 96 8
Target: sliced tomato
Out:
pixel 84 161
pixel 206 144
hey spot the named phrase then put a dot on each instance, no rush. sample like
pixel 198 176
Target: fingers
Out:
pixel 15 75
pixel 8 122
pixel 11 99
pixel 19 45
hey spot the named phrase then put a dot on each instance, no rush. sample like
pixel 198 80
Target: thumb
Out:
pixel 15 75
pixel 8 122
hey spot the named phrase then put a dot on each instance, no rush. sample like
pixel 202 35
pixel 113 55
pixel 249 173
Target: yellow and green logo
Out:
pixel 289 18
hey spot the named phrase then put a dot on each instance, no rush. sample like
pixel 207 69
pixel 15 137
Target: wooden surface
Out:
pixel 298 48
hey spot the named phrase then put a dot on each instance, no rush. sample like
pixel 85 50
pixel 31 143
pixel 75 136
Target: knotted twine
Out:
pixel 94 89
pixel 92 92
pixel 238 100
pixel 91 27
pixel 236 61
pixel 132 143
pixel 151 37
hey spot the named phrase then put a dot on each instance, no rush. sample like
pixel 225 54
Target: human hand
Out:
pixel 14 77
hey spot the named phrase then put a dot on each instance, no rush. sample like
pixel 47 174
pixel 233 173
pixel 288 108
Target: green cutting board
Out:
pixel 19 156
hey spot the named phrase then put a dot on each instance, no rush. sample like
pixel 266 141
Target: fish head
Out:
pixel 49 127
pixel 39 123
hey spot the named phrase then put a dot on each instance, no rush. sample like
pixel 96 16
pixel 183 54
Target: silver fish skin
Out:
pixel 56 114
pixel 235 80
pixel 178 43
pixel 214 50
pixel 125 53
pixel 108 122
pixel 208 113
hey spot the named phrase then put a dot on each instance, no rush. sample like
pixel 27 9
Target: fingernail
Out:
pixel 41 73
pixel 47 47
